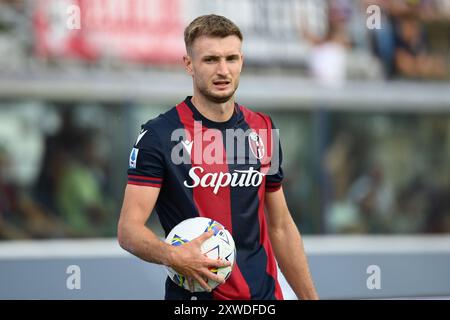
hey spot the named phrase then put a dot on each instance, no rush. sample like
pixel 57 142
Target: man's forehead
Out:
pixel 217 46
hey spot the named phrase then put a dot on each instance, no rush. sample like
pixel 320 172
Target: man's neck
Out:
pixel 217 112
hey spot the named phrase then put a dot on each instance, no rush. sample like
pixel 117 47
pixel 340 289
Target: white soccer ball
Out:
pixel 219 246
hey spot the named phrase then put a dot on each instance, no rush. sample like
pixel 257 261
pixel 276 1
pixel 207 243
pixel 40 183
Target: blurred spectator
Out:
pixel 438 213
pixel 411 209
pixel 341 215
pixel 20 216
pixel 80 197
pixel 373 196
pixel 56 153
pixel 413 58
pixel 383 39
pixel 403 42
pixel 71 181
pixel 341 52
pixel 8 203
pixel 406 187
pixel 328 56
pixel 15 40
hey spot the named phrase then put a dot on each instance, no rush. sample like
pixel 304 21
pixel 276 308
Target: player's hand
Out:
pixel 189 261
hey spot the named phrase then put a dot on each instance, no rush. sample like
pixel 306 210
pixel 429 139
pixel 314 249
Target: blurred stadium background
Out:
pixel 364 118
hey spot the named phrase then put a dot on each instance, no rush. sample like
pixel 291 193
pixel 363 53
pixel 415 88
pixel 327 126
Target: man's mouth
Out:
pixel 221 83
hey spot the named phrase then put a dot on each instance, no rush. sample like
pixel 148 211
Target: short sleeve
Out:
pixel 146 162
pixel 275 176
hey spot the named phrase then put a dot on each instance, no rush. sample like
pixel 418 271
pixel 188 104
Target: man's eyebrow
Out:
pixel 212 56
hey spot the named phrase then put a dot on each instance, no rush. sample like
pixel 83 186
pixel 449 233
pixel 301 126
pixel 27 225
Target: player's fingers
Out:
pixel 209 274
pixel 218 263
pixel 204 236
pixel 202 282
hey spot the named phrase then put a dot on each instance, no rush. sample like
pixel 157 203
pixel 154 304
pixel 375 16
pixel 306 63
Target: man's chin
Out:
pixel 220 97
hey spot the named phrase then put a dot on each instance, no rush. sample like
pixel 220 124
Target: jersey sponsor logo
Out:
pixel 216 180
pixel 133 158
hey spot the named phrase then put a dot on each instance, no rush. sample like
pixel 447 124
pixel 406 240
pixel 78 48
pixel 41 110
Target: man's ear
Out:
pixel 187 60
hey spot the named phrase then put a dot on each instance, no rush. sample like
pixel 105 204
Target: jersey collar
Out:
pixel 231 123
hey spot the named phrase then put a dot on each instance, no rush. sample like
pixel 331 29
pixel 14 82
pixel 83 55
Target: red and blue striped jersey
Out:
pixel 219 170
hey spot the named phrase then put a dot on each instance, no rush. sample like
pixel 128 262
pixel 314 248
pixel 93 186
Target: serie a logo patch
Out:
pixel 133 158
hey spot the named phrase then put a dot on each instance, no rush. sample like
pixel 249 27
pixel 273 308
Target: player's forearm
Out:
pixel 288 248
pixel 143 243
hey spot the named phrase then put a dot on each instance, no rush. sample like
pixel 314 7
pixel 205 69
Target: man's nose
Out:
pixel 222 68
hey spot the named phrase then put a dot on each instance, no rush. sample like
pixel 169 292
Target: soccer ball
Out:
pixel 219 246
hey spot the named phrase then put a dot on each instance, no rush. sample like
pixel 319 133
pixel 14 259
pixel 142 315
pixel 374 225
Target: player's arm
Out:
pixel 135 237
pixel 288 246
pixel 132 233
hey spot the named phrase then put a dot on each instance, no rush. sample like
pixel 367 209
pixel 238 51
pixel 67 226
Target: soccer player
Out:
pixel 209 156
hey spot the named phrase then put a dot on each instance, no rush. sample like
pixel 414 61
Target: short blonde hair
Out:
pixel 210 25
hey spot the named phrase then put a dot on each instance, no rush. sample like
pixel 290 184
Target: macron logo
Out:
pixel 187 145
pixel 140 137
